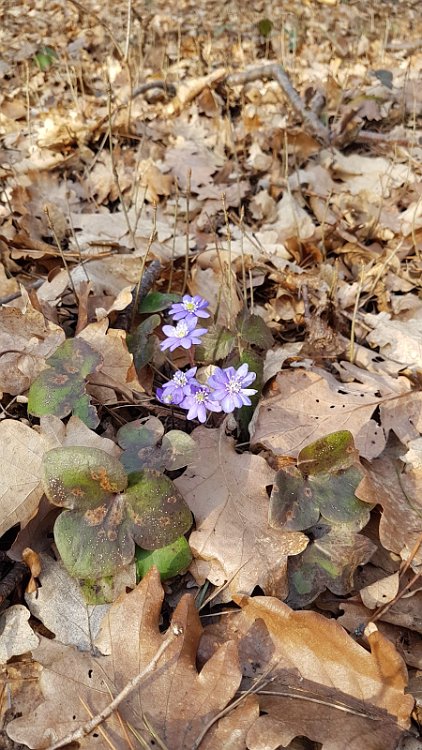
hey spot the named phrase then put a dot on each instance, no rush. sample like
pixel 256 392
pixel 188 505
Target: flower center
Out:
pixel 181 330
pixel 234 386
pixel 190 306
pixel 200 396
pixel 167 398
pixel 180 378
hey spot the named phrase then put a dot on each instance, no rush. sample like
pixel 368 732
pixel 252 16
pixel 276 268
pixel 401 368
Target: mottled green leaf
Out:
pixel 331 453
pixel 335 496
pixel 328 562
pixel 80 477
pixel 324 482
pixel 157 510
pixel 215 345
pixel 60 389
pixel 254 330
pixel 142 343
pixel 139 442
pixel 292 506
pixel 178 450
pixel 96 543
pixel 157 301
pixel 145 446
pixel 169 560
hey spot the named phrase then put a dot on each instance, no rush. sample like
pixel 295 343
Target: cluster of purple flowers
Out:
pixel 226 389
pixel 185 333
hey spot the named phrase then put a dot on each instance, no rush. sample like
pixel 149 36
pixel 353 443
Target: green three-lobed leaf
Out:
pixel 106 515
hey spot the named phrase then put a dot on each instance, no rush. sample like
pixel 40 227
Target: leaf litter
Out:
pixel 270 163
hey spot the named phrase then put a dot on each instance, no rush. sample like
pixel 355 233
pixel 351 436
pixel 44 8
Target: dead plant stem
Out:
pixel 174 632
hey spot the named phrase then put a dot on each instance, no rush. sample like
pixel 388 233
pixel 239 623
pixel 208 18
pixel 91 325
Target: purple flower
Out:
pixel 175 390
pixel 183 334
pixel 198 402
pixel 188 307
pixel 230 387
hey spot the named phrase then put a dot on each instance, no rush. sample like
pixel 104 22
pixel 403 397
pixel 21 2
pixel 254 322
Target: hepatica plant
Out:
pixel 109 508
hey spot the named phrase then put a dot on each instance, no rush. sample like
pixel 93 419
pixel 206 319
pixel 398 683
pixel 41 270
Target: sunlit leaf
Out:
pixel 80 477
pixel 169 560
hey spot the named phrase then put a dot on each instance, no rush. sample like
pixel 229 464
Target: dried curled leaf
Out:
pixel 317 681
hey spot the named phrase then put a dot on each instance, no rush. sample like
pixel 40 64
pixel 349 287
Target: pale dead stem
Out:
pixel 261 682
pixel 383 609
pixel 59 247
pixel 174 632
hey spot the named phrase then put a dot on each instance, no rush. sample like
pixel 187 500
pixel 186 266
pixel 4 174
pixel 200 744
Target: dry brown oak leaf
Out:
pixel 27 339
pixel 233 541
pixel 398 489
pixel 306 405
pixel 316 681
pixel 176 700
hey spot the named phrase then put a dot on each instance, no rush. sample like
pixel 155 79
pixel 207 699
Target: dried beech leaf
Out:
pixel 399 494
pixel 380 592
pixel 21 452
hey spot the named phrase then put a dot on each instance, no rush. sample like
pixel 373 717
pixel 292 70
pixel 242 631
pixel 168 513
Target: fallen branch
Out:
pixel 173 633
pixel 371 136
pixel 277 73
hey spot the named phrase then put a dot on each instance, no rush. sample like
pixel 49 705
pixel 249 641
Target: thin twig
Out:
pixel 10 297
pixel 59 247
pixel 173 633
pixel 255 688
pixel 277 73
pixel 412 556
pixel 158 84
pixel 139 286
pixel 382 610
pixel 371 136
pixel 188 191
